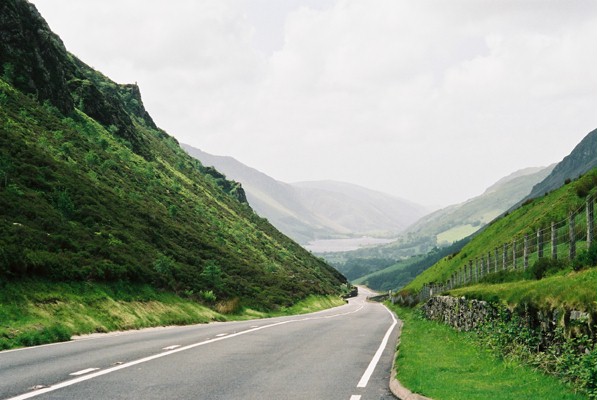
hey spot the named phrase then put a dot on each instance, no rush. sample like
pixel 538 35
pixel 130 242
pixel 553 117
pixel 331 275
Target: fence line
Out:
pixel 560 240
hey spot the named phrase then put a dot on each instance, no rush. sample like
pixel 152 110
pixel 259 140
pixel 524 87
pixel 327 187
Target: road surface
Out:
pixel 344 353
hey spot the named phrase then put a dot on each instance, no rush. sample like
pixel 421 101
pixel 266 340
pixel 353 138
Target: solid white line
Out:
pixel 164 354
pixel 84 371
pixel 174 346
pixel 369 371
pixel 355 397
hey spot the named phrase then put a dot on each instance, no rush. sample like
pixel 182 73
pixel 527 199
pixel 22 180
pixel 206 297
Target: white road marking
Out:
pixel 221 334
pixel 167 353
pixel 355 397
pixel 369 371
pixel 174 346
pixel 84 371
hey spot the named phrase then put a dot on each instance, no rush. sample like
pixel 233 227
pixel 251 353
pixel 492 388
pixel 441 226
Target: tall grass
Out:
pixel 34 312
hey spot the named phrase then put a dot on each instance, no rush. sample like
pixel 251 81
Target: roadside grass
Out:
pixel 34 312
pixel 568 289
pixel 444 364
pixel 310 304
pixel 313 304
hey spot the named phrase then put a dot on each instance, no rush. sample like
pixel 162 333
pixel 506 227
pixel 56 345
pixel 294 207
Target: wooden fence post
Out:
pixel 505 256
pixel 526 252
pixel 514 254
pixel 590 222
pixel 539 243
pixel 554 241
pixel 496 259
pixel 571 237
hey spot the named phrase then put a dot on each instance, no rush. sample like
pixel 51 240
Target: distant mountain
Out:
pixel 459 221
pixel 582 159
pixel 308 211
pixel 445 226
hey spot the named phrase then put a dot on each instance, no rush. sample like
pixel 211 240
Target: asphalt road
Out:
pixel 333 354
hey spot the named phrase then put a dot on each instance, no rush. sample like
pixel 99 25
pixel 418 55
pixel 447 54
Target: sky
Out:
pixel 431 101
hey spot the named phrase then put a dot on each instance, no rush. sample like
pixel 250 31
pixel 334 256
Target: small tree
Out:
pixel 212 274
pixel 165 267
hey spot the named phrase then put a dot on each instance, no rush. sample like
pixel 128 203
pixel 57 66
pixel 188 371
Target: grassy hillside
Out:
pixel 91 190
pixel 535 214
pixel 399 274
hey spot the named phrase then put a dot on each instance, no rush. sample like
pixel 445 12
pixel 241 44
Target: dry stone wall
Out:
pixel 459 312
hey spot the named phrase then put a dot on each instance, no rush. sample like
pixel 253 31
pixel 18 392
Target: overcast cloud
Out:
pixel 432 101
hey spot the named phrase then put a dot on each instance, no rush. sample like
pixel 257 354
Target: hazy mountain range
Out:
pixel 460 220
pixel 308 211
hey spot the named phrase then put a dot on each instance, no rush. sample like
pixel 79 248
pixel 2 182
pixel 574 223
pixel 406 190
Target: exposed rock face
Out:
pixel 459 312
pixel 32 57
pixel 35 61
pixel 581 160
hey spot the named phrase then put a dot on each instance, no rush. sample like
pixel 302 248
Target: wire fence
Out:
pixel 560 240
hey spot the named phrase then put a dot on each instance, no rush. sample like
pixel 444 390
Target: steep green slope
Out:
pixel 535 214
pixel 404 271
pixel 91 189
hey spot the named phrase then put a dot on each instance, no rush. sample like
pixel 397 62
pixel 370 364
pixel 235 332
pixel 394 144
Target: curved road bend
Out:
pixel 327 355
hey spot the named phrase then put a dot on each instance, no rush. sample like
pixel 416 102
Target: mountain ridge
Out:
pixel 308 211
pixel 579 161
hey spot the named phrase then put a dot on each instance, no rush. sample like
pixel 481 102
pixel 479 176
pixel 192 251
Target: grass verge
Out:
pixel 34 312
pixel 572 290
pixel 444 364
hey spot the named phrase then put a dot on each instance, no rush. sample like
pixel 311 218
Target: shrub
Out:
pixel 585 184
pixel 586 258
pixel 208 296
pixel 546 266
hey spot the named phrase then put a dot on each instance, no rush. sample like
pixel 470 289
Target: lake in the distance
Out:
pixel 337 245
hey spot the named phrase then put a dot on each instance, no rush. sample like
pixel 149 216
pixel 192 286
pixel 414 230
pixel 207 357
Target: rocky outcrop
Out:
pixel 33 59
pixel 582 159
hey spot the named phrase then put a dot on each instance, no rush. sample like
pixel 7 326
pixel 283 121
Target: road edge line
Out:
pixel 397 389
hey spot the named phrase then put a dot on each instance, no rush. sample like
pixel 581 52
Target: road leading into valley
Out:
pixel 344 353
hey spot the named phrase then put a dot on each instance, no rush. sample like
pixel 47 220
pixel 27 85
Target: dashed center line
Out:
pixel 355 397
pixel 221 334
pixel 171 347
pixel 84 371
